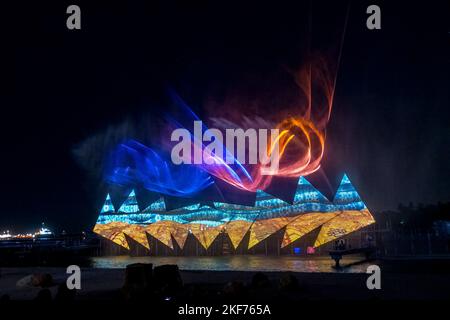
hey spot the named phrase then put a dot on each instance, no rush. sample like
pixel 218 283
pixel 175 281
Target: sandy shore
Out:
pixel 105 284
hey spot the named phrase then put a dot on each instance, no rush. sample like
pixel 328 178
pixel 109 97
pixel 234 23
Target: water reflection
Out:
pixel 237 263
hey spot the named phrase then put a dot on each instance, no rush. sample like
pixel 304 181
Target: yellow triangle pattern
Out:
pixel 343 224
pixel 161 230
pixel 180 234
pixel 261 229
pixel 236 230
pixel 205 235
pixel 334 225
pixel 304 224
pixel 138 234
pixel 113 231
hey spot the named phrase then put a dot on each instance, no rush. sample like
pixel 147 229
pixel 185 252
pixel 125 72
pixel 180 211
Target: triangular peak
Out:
pixel 158 206
pixel 303 181
pixel 130 205
pixel 347 197
pixel 345 179
pixel 306 192
pixel 107 205
pixel 345 185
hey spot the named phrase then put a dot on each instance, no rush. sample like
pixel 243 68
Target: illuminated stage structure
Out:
pixel 309 211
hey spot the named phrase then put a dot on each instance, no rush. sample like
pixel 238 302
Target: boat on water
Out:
pixel 46 248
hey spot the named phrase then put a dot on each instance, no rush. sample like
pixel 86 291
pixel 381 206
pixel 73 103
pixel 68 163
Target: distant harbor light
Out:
pixel 5 235
pixel 43 231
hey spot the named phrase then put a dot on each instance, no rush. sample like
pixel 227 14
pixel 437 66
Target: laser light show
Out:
pixel 214 159
pixel 309 211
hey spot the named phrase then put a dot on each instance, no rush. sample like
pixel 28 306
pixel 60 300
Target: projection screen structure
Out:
pixel 309 211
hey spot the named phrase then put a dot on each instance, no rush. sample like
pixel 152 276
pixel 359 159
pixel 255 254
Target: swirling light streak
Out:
pixel 291 145
pixel 133 164
pixel 300 144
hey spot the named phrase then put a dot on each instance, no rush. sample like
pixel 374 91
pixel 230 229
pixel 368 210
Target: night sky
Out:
pixel 389 128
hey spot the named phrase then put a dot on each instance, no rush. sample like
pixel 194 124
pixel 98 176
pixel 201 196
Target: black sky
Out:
pixel 389 130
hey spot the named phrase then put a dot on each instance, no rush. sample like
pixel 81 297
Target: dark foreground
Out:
pixel 283 293
pixel 107 285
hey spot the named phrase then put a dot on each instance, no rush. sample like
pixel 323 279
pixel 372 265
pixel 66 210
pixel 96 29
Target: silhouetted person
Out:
pixel 64 294
pixel 289 282
pixel 234 289
pixel 43 295
pixel 260 281
pixel 5 298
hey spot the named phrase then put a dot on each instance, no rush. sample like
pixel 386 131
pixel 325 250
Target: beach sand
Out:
pixel 105 284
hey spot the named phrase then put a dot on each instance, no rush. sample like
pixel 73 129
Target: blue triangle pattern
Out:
pixel 347 198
